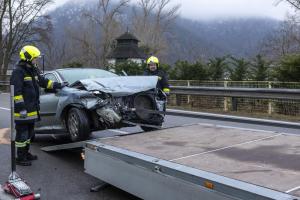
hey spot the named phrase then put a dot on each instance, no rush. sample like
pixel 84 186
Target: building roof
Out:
pixel 125 52
pixel 127 36
pixel 127 47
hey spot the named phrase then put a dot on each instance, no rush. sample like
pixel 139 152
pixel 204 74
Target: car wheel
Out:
pixel 32 138
pixel 78 125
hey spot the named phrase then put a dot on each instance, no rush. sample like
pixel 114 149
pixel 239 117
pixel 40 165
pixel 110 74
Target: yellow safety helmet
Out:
pixel 28 53
pixel 153 59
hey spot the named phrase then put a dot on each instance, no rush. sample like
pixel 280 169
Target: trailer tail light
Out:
pixel 82 155
pixel 209 185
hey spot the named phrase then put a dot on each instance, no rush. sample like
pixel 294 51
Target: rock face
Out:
pixel 4 136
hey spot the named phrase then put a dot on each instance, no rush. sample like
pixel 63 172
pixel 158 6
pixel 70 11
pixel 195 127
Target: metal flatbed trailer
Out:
pixel 199 161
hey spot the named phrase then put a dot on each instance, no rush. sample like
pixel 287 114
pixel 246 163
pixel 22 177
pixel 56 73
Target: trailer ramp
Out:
pixel 81 144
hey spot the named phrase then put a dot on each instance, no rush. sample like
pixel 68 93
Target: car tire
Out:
pixel 32 139
pixel 78 125
pixel 148 129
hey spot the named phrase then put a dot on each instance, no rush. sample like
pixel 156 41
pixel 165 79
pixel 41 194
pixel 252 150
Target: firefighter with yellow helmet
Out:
pixel 154 70
pixel 27 79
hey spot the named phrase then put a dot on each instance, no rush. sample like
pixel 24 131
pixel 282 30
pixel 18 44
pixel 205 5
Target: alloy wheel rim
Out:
pixel 73 125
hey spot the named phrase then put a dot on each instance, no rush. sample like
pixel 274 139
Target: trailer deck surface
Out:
pixel 263 158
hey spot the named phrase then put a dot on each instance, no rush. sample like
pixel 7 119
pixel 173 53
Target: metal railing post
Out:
pixel 270 104
pixel 12 130
pixel 225 98
pixel 189 96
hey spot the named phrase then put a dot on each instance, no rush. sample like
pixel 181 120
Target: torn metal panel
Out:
pixel 81 98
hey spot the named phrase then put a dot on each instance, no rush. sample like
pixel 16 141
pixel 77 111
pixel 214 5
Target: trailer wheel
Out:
pixel 78 125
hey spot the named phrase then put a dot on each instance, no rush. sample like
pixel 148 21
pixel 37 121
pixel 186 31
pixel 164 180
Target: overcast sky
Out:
pixel 210 9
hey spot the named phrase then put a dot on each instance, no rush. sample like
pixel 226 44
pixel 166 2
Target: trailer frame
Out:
pixel 153 178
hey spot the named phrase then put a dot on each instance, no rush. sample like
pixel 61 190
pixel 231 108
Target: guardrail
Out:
pixel 258 93
pixel 280 104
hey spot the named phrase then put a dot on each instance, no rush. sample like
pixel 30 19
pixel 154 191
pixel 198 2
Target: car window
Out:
pixel 73 75
pixel 51 77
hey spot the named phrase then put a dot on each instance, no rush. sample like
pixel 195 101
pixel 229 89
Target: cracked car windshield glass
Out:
pixel 79 74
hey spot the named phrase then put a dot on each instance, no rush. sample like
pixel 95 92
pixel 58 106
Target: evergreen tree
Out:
pixel 184 70
pixel 129 67
pixel 239 69
pixel 260 69
pixel 288 68
pixel 217 67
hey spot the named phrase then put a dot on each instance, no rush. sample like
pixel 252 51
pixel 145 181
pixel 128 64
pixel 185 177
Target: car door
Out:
pixel 48 106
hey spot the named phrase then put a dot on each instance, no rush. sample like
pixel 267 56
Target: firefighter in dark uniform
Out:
pixel 153 70
pixel 26 79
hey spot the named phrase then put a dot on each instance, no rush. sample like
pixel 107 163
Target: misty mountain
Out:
pixel 238 37
pixel 187 39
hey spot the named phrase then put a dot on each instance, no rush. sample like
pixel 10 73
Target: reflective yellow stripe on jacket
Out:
pixel 18 99
pixel 50 84
pixel 31 115
pixel 27 78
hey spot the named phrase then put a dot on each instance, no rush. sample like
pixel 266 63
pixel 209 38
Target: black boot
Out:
pixel 22 157
pixel 29 155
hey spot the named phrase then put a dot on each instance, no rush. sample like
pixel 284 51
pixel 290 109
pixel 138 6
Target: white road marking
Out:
pixel 293 189
pixel 118 131
pixel 2 108
pixel 228 147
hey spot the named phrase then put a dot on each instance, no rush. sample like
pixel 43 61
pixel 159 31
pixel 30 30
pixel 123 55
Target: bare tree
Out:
pixel 285 40
pixel 19 25
pixel 108 20
pixel 152 20
pixel 294 3
pixel 3 9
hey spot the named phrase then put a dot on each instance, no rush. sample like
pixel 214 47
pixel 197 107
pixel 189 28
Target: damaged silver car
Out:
pixel 96 100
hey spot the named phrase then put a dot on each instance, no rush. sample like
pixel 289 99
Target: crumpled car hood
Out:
pixel 121 86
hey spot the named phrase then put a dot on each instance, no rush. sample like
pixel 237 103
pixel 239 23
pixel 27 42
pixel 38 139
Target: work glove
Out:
pixel 60 85
pixel 23 114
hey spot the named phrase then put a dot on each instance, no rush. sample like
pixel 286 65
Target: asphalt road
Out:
pixel 61 175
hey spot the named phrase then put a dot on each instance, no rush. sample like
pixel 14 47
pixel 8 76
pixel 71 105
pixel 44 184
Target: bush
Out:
pixel 184 70
pixel 129 67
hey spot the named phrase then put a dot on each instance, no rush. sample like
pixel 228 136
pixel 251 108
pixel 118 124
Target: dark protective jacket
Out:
pixel 26 80
pixel 163 82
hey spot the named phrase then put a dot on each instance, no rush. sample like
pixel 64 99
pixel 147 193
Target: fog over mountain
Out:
pixel 188 39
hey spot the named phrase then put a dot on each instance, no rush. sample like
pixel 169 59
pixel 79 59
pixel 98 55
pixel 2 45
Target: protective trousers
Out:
pixel 24 134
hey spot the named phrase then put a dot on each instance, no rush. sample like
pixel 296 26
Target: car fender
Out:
pixel 81 100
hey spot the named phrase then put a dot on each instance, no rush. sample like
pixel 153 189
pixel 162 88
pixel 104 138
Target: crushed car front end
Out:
pixel 117 102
